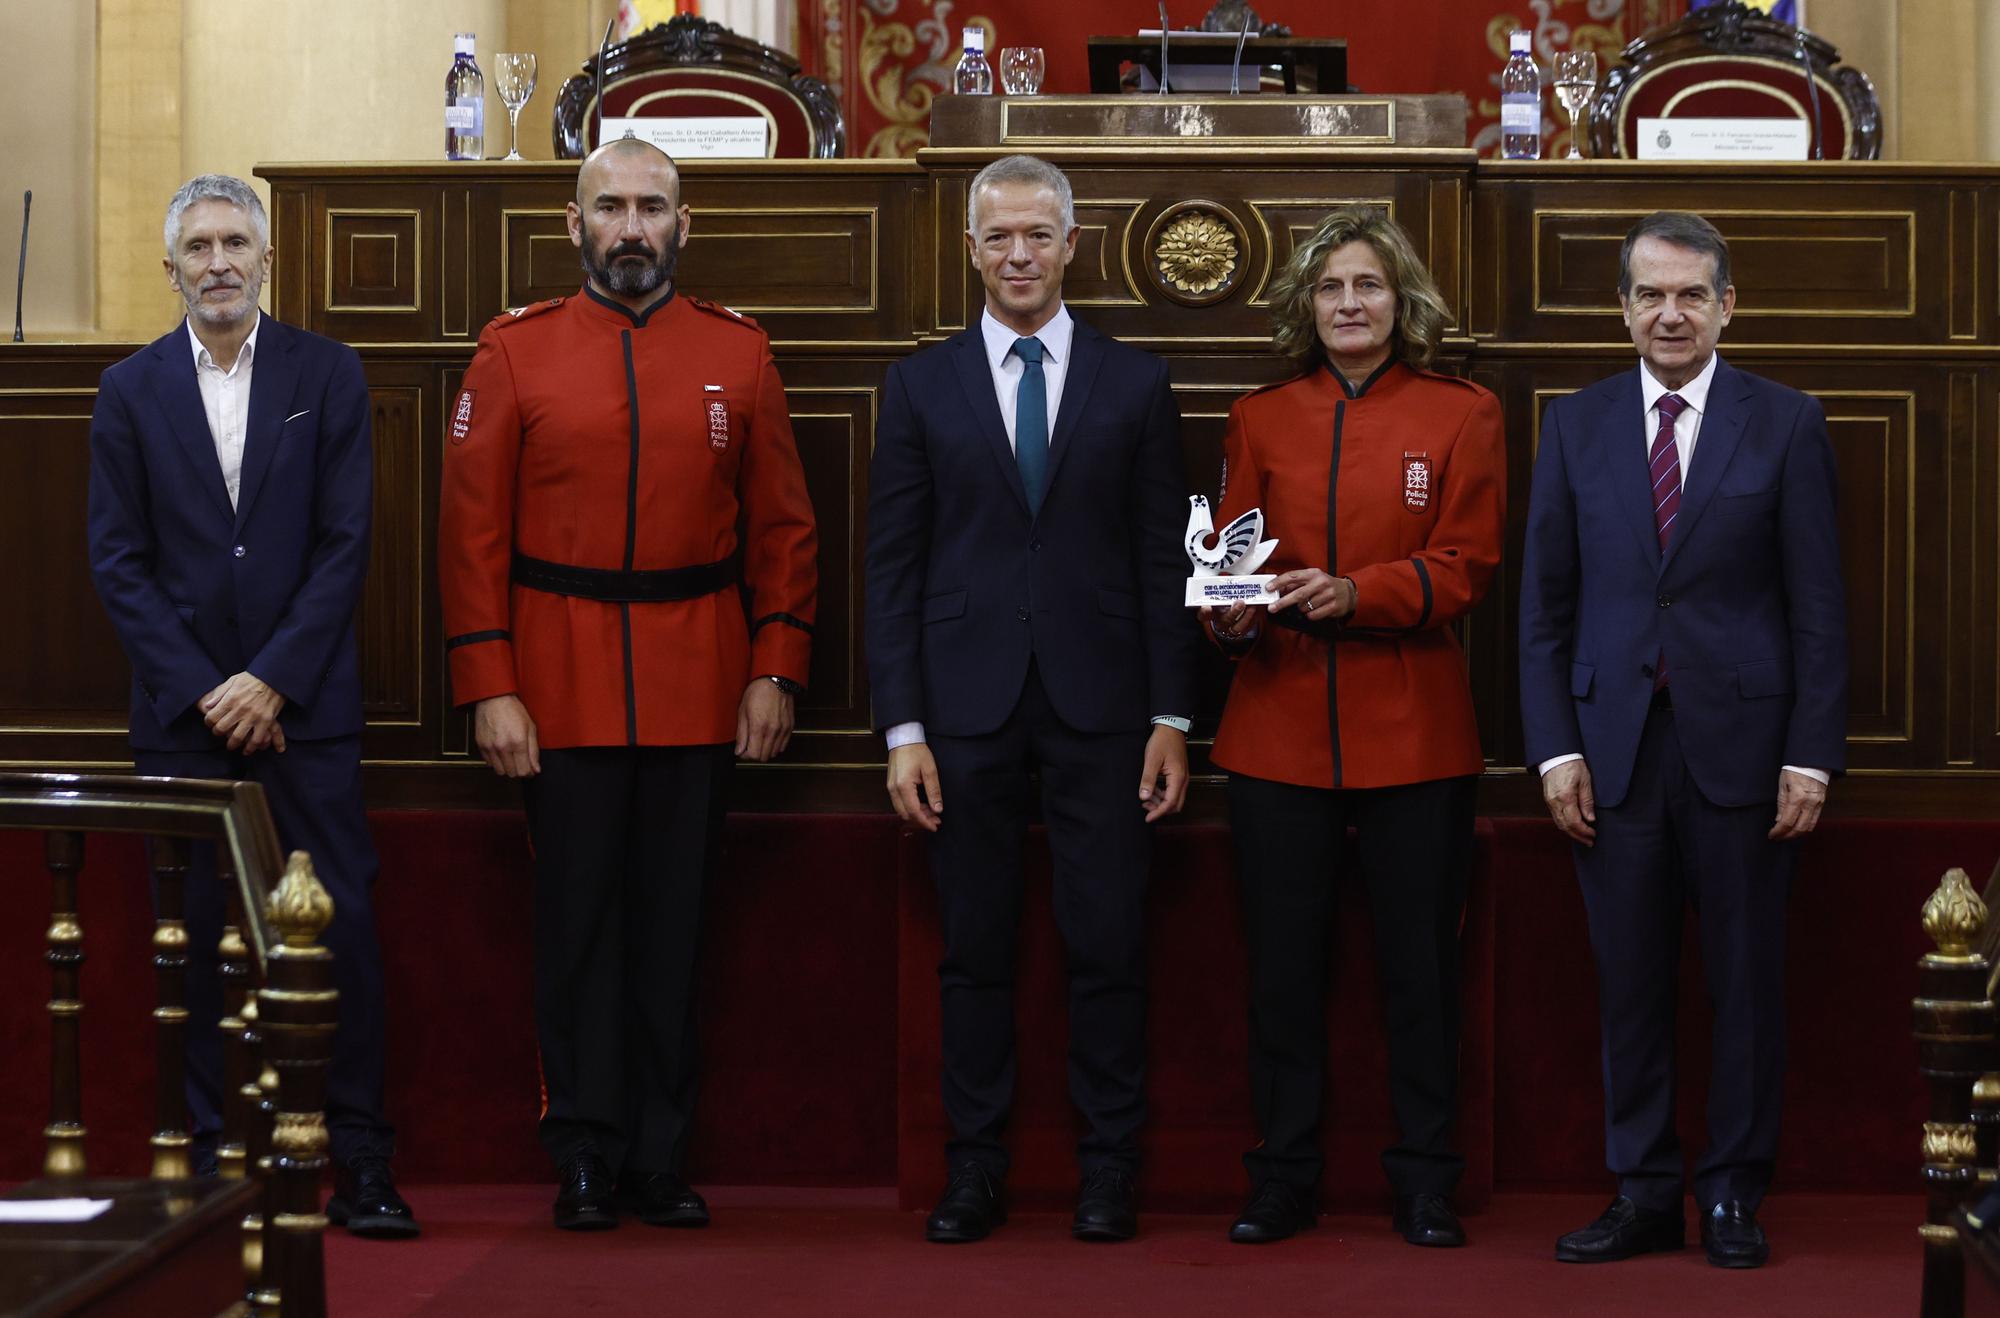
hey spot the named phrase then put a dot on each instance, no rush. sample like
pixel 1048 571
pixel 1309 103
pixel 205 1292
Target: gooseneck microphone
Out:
pixel 603 49
pixel 21 273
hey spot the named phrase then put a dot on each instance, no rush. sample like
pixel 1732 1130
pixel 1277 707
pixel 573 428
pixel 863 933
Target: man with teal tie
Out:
pixel 1024 616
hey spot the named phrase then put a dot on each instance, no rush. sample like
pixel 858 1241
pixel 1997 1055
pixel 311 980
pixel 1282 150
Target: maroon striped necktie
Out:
pixel 1666 464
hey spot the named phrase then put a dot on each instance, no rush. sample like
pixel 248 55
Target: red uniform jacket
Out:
pixel 587 437
pixel 1413 469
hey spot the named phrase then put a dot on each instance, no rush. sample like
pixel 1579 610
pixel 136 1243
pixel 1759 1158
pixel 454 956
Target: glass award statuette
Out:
pixel 1223 575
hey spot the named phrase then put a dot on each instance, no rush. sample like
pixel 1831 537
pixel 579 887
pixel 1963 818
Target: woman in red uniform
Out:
pixel 1384 484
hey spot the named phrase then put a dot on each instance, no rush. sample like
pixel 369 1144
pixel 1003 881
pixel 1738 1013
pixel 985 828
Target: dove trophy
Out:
pixel 1224 575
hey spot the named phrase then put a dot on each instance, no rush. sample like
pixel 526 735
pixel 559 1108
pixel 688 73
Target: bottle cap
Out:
pixel 462 44
pixel 975 39
pixel 1520 41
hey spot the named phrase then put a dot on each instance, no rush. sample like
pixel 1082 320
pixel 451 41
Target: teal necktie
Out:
pixel 1031 422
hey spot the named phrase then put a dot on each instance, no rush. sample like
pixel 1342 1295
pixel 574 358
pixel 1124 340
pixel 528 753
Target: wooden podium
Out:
pixel 1866 284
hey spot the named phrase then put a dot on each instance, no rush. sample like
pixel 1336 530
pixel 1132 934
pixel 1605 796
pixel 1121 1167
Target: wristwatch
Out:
pixel 786 684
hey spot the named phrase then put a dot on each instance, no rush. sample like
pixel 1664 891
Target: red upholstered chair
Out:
pixel 692 67
pixel 1729 61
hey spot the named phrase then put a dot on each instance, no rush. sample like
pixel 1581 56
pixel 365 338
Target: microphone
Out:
pixel 21 274
pixel 1812 95
pixel 602 47
pixel 1236 67
pixel 1164 25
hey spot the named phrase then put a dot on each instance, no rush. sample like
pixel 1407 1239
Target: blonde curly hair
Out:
pixel 1420 309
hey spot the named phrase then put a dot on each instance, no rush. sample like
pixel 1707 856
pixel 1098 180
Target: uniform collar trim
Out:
pixel 638 318
pixel 1355 391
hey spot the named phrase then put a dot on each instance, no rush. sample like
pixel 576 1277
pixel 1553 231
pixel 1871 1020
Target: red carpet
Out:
pixel 487 1250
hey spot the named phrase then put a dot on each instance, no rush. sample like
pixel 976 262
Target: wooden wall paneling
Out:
pixel 379 261
pixel 1819 255
pixel 63 678
pixel 1871 285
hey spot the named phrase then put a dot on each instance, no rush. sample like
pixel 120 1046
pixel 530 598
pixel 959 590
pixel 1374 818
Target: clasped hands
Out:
pixel 1572 802
pixel 244 711
pixel 1319 596
pixel 504 731
pixel 919 800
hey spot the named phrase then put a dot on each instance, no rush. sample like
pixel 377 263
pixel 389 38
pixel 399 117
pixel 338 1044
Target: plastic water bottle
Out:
pixel 1521 101
pixel 974 76
pixel 464 104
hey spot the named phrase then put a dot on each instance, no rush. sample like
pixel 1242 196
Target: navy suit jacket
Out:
pixel 964 586
pixel 1747 601
pixel 198 592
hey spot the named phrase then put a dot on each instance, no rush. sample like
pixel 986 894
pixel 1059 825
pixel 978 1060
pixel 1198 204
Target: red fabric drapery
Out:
pixel 888 58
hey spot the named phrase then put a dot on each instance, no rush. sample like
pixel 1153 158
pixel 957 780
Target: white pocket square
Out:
pixel 295 416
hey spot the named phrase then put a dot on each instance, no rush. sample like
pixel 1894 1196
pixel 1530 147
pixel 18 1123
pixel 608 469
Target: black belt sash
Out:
pixel 653 586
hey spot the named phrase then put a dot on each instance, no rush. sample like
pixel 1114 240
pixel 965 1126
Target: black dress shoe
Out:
pixel 969 1210
pixel 1426 1219
pixel 1104 1207
pixel 1276 1211
pixel 366 1203
pixel 583 1194
pixel 1622 1231
pixel 1731 1237
pixel 664 1199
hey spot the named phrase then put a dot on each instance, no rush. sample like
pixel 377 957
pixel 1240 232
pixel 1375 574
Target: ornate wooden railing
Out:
pixel 1954 1024
pixel 279 1003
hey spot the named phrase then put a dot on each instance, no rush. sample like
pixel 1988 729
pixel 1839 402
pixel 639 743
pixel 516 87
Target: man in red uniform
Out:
pixel 626 557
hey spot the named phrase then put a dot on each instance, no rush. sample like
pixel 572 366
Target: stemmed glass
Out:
pixel 514 77
pixel 1021 69
pixel 1576 81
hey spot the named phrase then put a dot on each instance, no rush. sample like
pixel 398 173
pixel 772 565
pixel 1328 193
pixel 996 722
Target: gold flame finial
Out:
pixel 1954 915
pixel 300 906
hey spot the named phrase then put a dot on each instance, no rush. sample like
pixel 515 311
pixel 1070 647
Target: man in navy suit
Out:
pixel 230 497
pixel 1024 582
pixel 1684 695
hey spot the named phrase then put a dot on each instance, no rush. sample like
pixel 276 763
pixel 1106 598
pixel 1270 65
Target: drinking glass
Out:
pixel 514 78
pixel 1021 69
pixel 1576 82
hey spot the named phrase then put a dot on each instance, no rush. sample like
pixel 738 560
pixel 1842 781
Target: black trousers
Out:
pixel 625 839
pixel 1415 853
pixel 314 790
pixel 1661 849
pixel 1102 850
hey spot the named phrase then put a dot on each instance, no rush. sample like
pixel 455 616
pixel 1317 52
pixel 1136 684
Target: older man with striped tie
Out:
pixel 1684 695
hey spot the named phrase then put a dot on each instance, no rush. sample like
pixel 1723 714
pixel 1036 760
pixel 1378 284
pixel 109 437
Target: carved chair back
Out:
pixel 690 67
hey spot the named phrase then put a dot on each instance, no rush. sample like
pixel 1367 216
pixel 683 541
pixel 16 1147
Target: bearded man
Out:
pixel 626 555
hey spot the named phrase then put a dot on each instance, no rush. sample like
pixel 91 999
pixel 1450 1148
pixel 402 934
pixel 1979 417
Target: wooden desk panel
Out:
pixel 1847 253
pixel 1870 286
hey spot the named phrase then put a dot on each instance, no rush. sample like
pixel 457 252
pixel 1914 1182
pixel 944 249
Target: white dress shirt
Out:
pixel 1007 368
pixel 225 397
pixel 1687 427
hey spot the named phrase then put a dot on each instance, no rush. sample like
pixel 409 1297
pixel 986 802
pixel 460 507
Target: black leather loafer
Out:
pixel 366 1203
pixel 664 1199
pixel 1276 1211
pixel 1622 1231
pixel 1104 1207
pixel 1426 1219
pixel 969 1209
pixel 1731 1237
pixel 583 1194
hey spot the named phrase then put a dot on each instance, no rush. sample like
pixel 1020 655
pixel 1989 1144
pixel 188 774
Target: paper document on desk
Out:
pixel 52 1210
